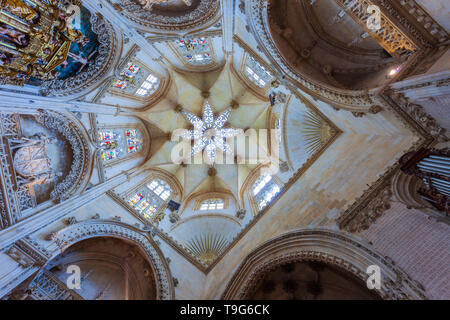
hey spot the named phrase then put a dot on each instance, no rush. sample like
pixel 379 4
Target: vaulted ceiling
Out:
pixel 337 141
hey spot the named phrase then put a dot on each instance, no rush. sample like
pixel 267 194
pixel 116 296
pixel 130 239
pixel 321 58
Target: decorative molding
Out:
pixel 46 286
pixel 196 34
pixel 213 65
pixel 141 153
pixel 206 247
pixel 240 214
pixel 199 216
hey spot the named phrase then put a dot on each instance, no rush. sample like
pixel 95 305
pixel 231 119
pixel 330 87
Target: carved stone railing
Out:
pixel 427 22
pixel 389 36
pixel 46 286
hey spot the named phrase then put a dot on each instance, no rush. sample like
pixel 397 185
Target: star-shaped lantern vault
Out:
pixel 209 134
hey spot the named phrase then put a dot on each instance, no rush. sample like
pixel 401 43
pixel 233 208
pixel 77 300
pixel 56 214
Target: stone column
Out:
pixel 227 25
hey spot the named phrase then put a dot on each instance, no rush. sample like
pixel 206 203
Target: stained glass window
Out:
pixel 160 188
pixel 196 51
pixel 212 204
pixel 120 84
pixel 134 80
pixel 131 70
pixel 265 190
pixel 257 73
pixel 150 198
pixel 127 76
pixel 135 199
pixel 149 86
pixel 193 45
pixel 118 143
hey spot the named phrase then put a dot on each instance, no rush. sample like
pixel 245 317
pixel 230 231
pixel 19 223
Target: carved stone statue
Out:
pixel 174 217
pixel 240 214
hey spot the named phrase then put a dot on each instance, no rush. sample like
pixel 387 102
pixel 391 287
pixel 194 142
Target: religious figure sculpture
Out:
pixel 31 46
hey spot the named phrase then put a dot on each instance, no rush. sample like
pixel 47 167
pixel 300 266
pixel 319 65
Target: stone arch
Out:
pixel 331 247
pixel 404 188
pixel 101 228
pixel 69 127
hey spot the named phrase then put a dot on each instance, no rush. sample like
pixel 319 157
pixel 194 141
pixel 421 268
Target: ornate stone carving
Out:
pixel 419 115
pixel 425 20
pixel 240 214
pixel 284 166
pixel 373 210
pixel 70 221
pixel 174 217
pixel 51 236
pixel 370 206
pixel 95 70
pixel 199 15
